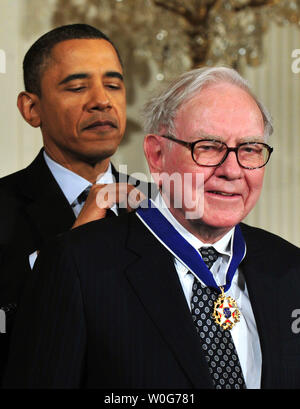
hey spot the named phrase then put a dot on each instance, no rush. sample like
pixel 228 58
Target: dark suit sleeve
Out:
pixel 49 337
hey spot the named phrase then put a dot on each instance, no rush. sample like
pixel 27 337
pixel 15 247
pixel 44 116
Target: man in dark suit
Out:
pixel 180 294
pixel 75 93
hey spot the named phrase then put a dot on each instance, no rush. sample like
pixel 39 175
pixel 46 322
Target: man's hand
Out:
pixel 103 197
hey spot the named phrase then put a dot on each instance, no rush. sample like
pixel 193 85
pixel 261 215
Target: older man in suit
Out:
pixel 180 294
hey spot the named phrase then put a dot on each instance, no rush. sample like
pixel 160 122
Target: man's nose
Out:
pixel 230 168
pixel 98 99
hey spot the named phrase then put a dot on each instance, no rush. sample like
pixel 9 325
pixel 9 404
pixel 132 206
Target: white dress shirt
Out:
pixel 72 185
pixel 244 333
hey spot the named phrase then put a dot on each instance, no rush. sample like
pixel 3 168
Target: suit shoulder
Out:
pixel 12 199
pixel 10 182
pixel 13 182
pixel 106 232
pixel 272 242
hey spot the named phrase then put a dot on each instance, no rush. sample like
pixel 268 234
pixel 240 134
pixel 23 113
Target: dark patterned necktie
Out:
pixel 83 196
pixel 217 343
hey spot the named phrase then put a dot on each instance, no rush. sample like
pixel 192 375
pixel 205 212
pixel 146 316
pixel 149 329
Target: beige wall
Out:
pixel 22 21
pixel 279 88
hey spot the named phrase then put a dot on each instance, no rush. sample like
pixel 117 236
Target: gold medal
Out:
pixel 226 313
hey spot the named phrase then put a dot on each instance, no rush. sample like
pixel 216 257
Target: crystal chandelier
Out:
pixel 181 34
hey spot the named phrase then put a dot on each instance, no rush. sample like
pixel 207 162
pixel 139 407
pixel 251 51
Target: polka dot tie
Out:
pixel 217 343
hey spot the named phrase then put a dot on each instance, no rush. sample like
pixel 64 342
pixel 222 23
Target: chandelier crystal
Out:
pixel 183 34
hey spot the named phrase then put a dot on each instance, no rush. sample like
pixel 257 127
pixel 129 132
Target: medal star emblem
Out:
pixel 226 313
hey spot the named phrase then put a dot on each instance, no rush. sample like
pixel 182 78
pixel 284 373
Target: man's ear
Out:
pixel 154 152
pixel 28 105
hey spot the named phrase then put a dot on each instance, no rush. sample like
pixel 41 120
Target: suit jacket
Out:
pixel 33 210
pixel 105 309
pixel 39 203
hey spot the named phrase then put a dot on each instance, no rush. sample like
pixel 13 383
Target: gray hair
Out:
pixel 161 110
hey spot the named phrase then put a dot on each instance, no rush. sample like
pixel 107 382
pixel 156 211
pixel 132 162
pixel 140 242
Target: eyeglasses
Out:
pixel 210 152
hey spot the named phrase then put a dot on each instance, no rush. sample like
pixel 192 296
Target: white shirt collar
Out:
pixel 222 245
pixel 71 183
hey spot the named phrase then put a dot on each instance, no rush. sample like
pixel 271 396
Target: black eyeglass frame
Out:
pixel 191 145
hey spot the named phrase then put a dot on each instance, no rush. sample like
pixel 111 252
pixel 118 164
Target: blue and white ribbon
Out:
pixel 164 231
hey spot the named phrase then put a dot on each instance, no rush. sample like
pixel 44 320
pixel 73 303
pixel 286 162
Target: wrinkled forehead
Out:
pixel 220 109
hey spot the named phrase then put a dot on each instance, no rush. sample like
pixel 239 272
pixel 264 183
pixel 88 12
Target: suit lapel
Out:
pixel 119 177
pixel 155 281
pixel 47 207
pixel 148 189
pixel 263 294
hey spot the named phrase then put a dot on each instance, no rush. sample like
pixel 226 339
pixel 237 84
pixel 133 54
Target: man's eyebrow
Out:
pixel 114 74
pixel 202 135
pixel 253 138
pixel 74 77
pixel 109 74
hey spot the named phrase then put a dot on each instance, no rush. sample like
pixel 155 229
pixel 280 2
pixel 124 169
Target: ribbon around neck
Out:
pixel 166 233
